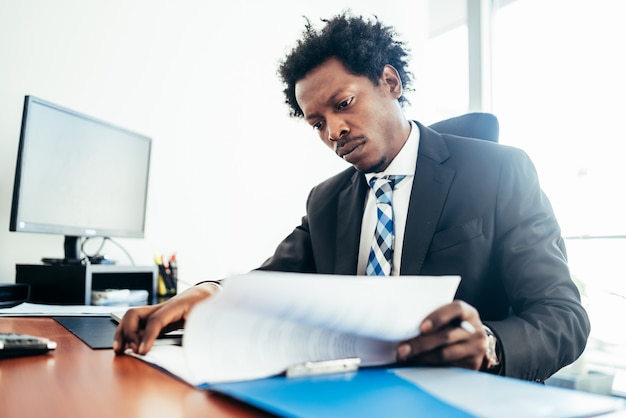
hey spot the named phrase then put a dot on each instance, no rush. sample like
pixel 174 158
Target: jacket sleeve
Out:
pixel 548 327
pixel 294 253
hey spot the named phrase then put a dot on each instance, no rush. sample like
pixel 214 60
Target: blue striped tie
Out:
pixel 380 259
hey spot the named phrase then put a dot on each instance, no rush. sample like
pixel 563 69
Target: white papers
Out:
pixel 36 309
pixel 263 322
pixel 506 397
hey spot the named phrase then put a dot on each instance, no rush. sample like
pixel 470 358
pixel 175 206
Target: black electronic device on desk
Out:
pixel 15 345
pixel 75 284
pixel 13 294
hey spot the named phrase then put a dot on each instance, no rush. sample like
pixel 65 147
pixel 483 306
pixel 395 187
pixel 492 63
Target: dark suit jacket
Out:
pixel 476 210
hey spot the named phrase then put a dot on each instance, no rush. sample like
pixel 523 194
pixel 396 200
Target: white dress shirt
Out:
pixel 403 164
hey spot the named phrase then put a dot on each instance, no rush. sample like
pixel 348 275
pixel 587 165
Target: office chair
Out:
pixel 474 125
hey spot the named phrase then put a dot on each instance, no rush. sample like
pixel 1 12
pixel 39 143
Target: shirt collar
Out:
pixel 405 162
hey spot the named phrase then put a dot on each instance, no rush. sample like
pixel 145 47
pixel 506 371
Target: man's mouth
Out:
pixel 350 148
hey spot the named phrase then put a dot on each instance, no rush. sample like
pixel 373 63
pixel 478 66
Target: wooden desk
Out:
pixel 76 381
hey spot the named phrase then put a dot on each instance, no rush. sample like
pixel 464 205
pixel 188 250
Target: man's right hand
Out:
pixel 140 327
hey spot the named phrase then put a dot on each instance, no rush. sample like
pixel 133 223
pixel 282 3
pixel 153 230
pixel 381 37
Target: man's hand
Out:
pixel 141 326
pixel 443 342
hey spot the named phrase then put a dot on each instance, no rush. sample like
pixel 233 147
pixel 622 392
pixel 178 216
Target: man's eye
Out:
pixel 317 125
pixel 345 103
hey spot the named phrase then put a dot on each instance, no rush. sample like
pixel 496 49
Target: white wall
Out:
pixel 200 79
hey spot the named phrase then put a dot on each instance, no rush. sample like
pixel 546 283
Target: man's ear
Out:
pixel 391 80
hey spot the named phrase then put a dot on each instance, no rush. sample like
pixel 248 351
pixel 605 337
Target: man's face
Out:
pixel 361 121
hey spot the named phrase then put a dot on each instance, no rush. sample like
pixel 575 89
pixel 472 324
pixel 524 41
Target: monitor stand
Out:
pixel 71 246
pixel 71 249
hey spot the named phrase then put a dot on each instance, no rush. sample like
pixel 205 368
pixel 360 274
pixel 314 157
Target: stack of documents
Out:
pixel 119 297
pixel 262 323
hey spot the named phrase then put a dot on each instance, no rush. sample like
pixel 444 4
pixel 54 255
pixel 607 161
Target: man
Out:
pixel 460 206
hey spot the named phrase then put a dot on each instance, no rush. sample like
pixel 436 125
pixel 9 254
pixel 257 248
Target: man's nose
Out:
pixel 337 129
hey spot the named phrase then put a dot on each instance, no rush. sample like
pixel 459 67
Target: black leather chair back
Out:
pixel 474 125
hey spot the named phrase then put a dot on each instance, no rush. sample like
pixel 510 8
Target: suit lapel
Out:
pixel 432 180
pixel 351 203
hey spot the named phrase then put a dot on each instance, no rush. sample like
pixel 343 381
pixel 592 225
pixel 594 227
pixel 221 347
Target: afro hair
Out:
pixel 363 46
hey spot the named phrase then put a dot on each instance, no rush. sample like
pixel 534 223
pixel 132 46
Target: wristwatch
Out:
pixel 492 360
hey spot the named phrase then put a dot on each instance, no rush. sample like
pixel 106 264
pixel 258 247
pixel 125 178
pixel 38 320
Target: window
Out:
pixel 558 86
pixel 444 79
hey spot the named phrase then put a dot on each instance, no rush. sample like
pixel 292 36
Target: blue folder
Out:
pixel 414 391
pixel 374 392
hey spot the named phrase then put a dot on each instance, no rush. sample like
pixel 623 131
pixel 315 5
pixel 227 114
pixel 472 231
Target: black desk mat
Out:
pixel 95 331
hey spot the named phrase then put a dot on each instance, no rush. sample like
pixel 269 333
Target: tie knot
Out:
pixel 385 181
pixel 383 187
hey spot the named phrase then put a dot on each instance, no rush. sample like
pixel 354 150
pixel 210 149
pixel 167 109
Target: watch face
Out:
pixel 492 355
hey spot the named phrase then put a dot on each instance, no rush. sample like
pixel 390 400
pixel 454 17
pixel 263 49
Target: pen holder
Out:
pixel 168 278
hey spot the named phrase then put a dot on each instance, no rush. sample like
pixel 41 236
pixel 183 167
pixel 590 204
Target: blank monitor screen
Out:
pixel 78 176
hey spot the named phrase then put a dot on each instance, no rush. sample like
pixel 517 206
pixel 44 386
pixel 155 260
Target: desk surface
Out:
pixel 76 381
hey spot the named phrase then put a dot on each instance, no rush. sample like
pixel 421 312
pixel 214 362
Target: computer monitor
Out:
pixel 78 176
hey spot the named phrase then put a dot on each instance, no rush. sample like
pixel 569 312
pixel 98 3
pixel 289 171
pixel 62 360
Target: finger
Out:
pixel 449 336
pixel 456 356
pixel 165 318
pixel 153 328
pixel 441 317
pixel 129 331
pixel 451 314
pixel 466 353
